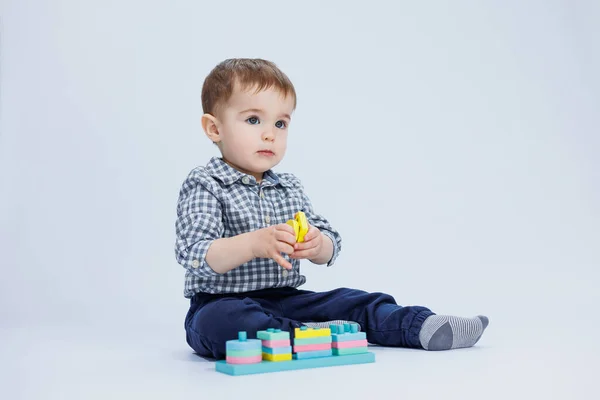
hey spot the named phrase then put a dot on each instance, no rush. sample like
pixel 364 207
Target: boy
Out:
pixel 242 260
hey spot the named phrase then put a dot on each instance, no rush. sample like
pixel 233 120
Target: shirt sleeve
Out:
pixel 324 226
pixel 199 223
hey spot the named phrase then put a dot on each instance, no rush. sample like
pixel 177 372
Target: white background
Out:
pixel 455 146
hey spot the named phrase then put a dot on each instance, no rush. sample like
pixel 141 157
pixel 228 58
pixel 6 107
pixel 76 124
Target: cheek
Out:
pixel 239 137
pixel 238 146
pixel 245 139
pixel 283 139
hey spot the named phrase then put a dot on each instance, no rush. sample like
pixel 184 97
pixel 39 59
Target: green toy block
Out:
pixel 349 350
pixel 244 353
pixel 312 340
pixel 346 332
pixel 343 328
pixel 269 366
pixel 273 334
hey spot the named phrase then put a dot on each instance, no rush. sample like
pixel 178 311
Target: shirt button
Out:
pixel 268 219
pixel 284 273
pixel 262 194
pixel 195 263
pixel 246 180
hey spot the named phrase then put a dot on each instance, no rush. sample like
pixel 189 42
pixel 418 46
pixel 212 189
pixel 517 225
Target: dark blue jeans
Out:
pixel 213 319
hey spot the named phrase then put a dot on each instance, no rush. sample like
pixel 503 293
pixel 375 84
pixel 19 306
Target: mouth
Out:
pixel 267 153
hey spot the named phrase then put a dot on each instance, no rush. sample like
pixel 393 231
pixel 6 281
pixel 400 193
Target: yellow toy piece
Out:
pixel 300 225
pixel 294 224
pixel 303 222
pixel 306 333
pixel 277 357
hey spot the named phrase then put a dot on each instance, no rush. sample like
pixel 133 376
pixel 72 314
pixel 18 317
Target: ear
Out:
pixel 210 126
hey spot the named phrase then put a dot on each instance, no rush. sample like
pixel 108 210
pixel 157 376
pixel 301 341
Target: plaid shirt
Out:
pixel 218 201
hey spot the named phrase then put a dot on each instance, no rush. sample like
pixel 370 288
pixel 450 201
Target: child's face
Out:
pixel 252 129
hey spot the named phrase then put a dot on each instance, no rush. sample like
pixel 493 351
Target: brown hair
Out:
pixel 248 72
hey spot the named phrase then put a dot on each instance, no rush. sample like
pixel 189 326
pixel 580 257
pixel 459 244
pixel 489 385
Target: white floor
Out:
pixel 85 363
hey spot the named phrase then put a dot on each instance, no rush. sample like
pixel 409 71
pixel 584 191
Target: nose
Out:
pixel 268 135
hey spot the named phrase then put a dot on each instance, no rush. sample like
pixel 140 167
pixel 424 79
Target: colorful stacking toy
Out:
pixel 313 348
pixel 275 345
pixel 311 343
pixel 348 340
pixel 243 351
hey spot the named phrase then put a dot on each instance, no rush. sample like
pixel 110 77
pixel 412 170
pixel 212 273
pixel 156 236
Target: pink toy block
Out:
pixel 312 347
pixel 244 360
pixel 350 343
pixel 276 343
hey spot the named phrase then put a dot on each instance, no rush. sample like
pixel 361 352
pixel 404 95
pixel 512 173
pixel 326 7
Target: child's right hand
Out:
pixel 270 242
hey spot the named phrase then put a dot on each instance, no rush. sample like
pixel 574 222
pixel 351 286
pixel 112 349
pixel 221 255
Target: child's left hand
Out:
pixel 312 245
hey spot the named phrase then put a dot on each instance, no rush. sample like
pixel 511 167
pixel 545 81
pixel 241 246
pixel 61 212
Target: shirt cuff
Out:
pixel 336 246
pixel 195 259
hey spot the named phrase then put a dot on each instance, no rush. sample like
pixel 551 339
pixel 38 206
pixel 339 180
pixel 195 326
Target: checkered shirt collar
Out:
pixel 224 172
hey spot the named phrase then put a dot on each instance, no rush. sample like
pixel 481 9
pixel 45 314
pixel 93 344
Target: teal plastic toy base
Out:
pixel 275 366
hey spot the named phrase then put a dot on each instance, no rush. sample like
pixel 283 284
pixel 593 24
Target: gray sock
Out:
pixel 445 332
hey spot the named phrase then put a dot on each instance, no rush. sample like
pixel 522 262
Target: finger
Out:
pixel 284 248
pixel 312 233
pixel 303 254
pixel 282 261
pixel 285 228
pixel 286 237
pixel 305 245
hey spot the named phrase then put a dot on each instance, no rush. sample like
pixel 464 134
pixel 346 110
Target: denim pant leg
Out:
pixel 385 322
pixel 213 320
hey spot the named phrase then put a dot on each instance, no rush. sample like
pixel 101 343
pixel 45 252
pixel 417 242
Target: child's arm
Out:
pixel 200 246
pixel 226 254
pixel 326 253
pixel 316 247
pixel 322 244
pixel 199 223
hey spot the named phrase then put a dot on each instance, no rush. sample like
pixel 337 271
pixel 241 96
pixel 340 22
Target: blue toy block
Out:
pixel 344 328
pixel 273 334
pixel 269 366
pixel 344 337
pixel 277 350
pixel 312 354
pixel 243 343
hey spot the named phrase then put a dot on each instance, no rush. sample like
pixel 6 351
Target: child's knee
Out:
pixel 216 323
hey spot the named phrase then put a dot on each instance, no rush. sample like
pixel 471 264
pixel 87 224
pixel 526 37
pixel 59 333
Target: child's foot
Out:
pixel 327 323
pixel 445 332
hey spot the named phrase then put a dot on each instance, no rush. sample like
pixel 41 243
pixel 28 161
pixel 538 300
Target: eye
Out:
pixel 253 120
pixel 281 124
